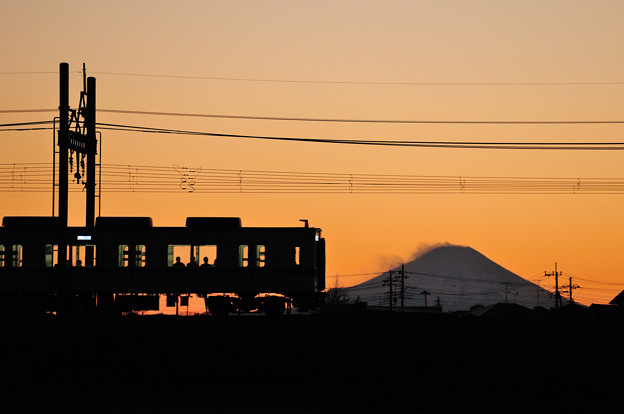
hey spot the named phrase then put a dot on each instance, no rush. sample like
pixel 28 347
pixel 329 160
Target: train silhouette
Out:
pixel 124 264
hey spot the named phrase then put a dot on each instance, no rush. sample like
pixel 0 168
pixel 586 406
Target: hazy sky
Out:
pixel 401 60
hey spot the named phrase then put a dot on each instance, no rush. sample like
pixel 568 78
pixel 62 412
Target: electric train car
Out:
pixel 125 263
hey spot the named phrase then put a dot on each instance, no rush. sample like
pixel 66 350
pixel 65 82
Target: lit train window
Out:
pixel 79 255
pixel 260 255
pixel 89 255
pixel 139 255
pixel 16 255
pixel 202 254
pixel 122 257
pixel 51 255
pixel 206 254
pixel 183 251
pixel 131 254
pixel 243 255
pixel 11 255
pixel 170 253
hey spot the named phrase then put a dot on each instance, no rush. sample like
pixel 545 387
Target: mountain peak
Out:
pixel 449 250
pixel 457 278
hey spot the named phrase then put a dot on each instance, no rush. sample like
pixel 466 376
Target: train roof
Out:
pixel 214 223
pixel 132 223
pixel 124 222
pixel 30 221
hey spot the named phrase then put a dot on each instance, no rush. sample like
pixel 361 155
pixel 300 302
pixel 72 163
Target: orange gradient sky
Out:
pixel 405 60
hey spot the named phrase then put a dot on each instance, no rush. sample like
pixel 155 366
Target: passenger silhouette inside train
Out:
pixel 205 264
pixel 192 263
pixel 178 262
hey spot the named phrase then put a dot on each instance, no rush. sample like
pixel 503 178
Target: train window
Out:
pixel 139 255
pixel 202 254
pixel 170 255
pixel 183 251
pixel 11 255
pixel 79 255
pixel 51 255
pixel 128 255
pixel 297 255
pixel 243 255
pixel 122 257
pixel 89 255
pixel 14 255
pixel 206 254
pixel 260 255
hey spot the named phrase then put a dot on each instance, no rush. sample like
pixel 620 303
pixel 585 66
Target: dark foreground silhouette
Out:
pixel 369 362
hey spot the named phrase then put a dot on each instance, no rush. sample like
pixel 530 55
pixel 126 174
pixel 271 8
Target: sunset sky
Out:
pixel 456 61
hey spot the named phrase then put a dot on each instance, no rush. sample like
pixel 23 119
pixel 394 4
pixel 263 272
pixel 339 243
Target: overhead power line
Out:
pixel 342 82
pixel 518 145
pixel 29 73
pixel 324 82
pixel 26 126
pixel 601 146
pixel 24 111
pixel 29 123
pixel 345 120
pixel 335 120
pixel 26 177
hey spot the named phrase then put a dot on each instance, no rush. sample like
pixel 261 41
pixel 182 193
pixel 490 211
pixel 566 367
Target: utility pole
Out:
pixel 91 148
pixel 390 288
pixel 82 142
pixel 388 282
pixel 63 144
pixel 571 287
pixel 425 293
pixel 556 274
pixel 402 287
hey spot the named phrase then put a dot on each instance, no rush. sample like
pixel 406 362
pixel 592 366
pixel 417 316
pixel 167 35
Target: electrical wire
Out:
pixel 304 81
pixel 180 179
pixel 29 123
pixel 333 120
pixel 32 73
pixel 25 111
pixel 586 146
pixel 329 82
pixel 345 120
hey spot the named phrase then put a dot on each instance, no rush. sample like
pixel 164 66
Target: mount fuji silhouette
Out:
pixel 456 278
